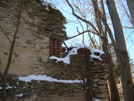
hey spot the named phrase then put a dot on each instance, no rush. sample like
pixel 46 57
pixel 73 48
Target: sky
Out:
pixel 72 24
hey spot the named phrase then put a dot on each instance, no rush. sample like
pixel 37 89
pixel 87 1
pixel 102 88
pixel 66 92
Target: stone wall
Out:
pixel 97 75
pixel 42 89
pixel 38 23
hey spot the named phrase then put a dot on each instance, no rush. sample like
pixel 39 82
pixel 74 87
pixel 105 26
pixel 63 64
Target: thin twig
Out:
pixel 128 27
pixel 10 58
pixel 4 46
pixel 80 34
pixel 86 21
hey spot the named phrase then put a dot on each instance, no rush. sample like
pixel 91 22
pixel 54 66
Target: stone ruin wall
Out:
pixel 47 90
pixel 37 24
pixel 31 56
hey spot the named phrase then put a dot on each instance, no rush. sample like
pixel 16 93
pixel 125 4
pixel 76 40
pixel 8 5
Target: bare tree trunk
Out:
pixel 130 4
pixel 122 54
pixel 113 88
pixel 9 59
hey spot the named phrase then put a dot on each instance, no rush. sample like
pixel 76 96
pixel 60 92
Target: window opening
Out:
pixel 55 47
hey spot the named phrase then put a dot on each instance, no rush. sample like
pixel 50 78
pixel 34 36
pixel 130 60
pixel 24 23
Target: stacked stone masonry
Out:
pixel 50 89
pixel 59 90
pixel 38 24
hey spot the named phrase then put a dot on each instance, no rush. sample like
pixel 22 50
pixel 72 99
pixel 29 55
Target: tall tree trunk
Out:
pixel 113 88
pixel 10 57
pixel 122 54
pixel 130 4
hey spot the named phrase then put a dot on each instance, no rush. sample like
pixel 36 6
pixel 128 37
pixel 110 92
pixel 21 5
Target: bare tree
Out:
pixel 122 53
pixel 103 28
pixel 10 54
pixel 118 42
pixel 100 28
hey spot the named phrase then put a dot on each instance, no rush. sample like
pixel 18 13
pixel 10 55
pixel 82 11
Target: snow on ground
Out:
pixel 73 51
pixel 47 78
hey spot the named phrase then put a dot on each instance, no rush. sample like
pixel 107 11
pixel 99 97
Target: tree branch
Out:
pixel 128 27
pixel 80 34
pixel 10 57
pixel 81 17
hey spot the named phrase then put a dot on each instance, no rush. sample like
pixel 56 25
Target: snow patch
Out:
pixel 9 87
pixel 47 78
pixel 66 59
pixel 1 87
pixel 94 99
pixel 73 51
pixel 97 100
pixel 19 95
pixel 46 4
